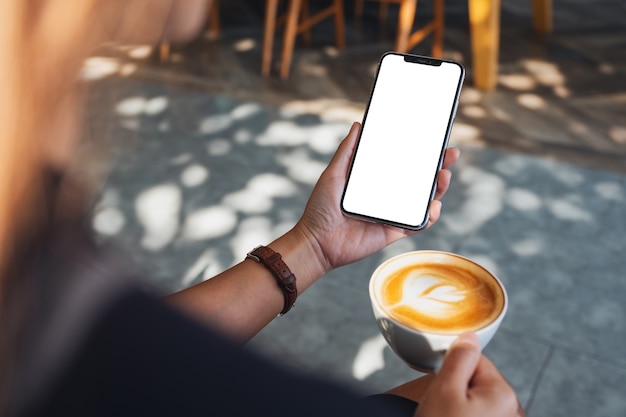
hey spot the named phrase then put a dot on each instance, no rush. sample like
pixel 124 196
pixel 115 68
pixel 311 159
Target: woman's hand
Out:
pixel 467 385
pixel 340 239
pixel 243 299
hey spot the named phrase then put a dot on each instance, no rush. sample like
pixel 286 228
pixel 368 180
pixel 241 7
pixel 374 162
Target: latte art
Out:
pixel 441 298
pixel 431 295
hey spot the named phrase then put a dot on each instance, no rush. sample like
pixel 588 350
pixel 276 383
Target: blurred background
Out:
pixel 201 157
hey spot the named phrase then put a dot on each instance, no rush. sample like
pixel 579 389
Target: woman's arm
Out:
pixel 245 298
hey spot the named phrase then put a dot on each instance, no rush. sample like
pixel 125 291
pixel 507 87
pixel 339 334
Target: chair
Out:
pixel 296 20
pixel 213 26
pixel 542 16
pixel 406 38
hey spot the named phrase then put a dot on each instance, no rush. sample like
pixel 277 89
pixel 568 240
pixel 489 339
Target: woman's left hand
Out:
pixel 340 239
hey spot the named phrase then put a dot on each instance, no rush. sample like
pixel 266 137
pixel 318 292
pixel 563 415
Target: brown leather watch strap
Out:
pixel 285 279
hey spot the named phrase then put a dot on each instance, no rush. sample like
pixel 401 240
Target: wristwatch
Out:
pixel 285 279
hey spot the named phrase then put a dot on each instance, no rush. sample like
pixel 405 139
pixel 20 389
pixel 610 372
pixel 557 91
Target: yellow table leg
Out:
pixel 484 16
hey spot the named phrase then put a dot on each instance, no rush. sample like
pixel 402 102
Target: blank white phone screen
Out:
pixel 404 135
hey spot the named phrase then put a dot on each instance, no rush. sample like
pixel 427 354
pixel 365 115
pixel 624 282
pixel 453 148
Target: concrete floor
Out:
pixel 539 195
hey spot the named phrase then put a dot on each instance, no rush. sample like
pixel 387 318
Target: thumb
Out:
pixel 460 362
pixel 341 160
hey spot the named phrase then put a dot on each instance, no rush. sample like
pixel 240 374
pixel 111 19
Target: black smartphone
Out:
pixel 405 130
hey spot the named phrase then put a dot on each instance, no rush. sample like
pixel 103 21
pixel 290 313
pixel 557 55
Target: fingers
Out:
pixel 444 176
pixel 487 372
pixel 488 376
pixel 443 183
pixel 450 157
pixel 469 384
pixel 434 211
pixel 460 363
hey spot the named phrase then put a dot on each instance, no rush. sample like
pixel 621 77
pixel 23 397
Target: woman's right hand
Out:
pixel 469 384
pixel 341 239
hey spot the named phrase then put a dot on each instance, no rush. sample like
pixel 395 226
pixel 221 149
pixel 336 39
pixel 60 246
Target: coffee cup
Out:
pixel 423 300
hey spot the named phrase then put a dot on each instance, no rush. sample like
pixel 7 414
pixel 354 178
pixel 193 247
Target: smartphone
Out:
pixel 404 134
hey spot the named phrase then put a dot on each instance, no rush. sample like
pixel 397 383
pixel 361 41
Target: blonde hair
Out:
pixel 37 76
pixel 43 44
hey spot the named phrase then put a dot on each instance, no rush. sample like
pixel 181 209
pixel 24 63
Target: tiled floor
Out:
pixel 539 195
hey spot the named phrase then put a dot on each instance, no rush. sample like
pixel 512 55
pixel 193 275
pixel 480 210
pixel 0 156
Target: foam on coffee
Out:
pixel 442 295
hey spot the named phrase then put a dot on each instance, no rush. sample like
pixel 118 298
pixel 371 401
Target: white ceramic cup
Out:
pixel 424 350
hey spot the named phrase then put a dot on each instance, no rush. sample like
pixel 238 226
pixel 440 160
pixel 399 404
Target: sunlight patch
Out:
pixel 214 124
pixel 283 132
pixel 218 147
pixel 155 105
pixel 257 196
pixel 209 223
pixel 109 221
pixel 325 138
pixel 206 266
pixel 242 136
pixel 464 133
pixel 250 233
pixel 523 200
pixel 140 52
pixel 528 247
pixel 568 176
pixel 546 73
pixel 131 106
pixel 194 175
pixel 567 210
pixel 245 111
pixel 618 134
pixel 370 358
pixel 329 110
pixel 99 67
pixel 128 69
pixel 484 193
pixel 301 167
pixel 272 185
pixel 531 101
pixel 610 191
pixel 244 45
pixel 181 159
pixel 157 209
pixel 474 112
pixel 518 82
pixel 248 201
pixel 470 95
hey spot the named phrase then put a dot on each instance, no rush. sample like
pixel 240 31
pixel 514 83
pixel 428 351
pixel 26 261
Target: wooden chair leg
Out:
pixel 296 20
pixel 358 8
pixel 271 9
pixel 164 51
pixel 291 30
pixel 304 15
pixel 383 11
pixel 438 17
pixel 406 18
pixel 340 32
pixel 214 19
pixel 542 16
